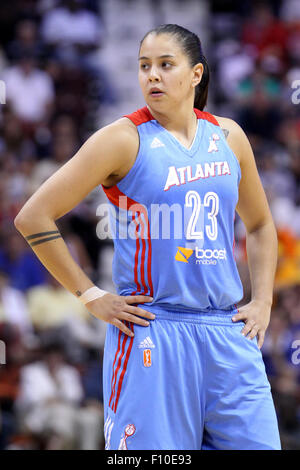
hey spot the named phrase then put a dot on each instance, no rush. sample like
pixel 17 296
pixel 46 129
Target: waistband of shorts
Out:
pixel 212 316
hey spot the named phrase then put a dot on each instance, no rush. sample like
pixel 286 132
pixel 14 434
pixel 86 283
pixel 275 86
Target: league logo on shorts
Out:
pixel 147 358
pixel 129 431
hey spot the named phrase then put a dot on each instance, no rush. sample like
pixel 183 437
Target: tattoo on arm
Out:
pixel 41 235
pixel 226 132
pixel 78 293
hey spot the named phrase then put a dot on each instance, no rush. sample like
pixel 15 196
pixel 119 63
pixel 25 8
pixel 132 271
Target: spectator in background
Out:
pixel 50 305
pixel 9 380
pixel 12 138
pixel 26 41
pixel 62 149
pixel 263 31
pixel 55 313
pixel 49 403
pixel 260 116
pixel 75 34
pixel 14 310
pixel 19 262
pixel 30 92
pixel 72 31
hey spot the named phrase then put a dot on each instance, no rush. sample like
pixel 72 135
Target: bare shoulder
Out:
pixel 123 132
pixel 119 142
pixel 234 135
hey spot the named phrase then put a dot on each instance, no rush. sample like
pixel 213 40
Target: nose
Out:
pixel 153 75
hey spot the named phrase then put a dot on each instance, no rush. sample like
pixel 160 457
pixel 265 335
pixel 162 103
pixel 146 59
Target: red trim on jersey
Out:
pixel 113 194
pixel 143 253
pixel 144 115
pixel 119 388
pixel 236 308
pixel 207 116
pixel 149 261
pixel 136 258
pixel 140 116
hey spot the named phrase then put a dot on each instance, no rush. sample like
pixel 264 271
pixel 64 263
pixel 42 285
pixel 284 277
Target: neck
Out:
pixel 180 120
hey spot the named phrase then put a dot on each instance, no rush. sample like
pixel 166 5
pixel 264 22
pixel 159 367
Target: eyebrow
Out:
pixel 165 56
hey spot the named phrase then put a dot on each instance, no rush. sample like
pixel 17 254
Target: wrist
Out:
pixel 91 294
pixel 262 301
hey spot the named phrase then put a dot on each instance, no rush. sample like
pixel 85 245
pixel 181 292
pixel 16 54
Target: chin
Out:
pixel 157 106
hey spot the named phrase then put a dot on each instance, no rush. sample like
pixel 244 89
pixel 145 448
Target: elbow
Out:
pixel 22 219
pixel 28 220
pixel 19 221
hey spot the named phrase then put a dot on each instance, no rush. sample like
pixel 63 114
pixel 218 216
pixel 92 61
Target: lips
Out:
pixel 155 91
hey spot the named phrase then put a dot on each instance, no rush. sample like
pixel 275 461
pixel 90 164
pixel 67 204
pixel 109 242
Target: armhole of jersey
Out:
pixel 137 118
pixel 132 169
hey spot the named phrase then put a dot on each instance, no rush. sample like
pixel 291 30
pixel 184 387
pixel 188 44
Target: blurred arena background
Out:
pixel 70 67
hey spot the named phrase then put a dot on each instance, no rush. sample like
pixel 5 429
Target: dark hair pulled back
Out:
pixel 191 46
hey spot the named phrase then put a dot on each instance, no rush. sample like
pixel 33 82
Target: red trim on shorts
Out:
pixel 118 368
pixel 119 388
pixel 113 375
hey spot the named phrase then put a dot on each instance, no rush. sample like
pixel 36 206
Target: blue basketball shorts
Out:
pixel 188 381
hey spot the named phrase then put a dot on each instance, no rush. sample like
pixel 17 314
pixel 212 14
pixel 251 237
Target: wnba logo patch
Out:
pixel 212 143
pixel 147 360
pixel 129 431
pixel 183 254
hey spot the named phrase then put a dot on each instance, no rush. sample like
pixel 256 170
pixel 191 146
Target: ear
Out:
pixel 197 74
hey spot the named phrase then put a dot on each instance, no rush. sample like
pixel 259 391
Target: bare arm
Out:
pixel 261 237
pixel 110 151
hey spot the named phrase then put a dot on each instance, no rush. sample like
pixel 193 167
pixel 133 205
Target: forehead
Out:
pixel 155 45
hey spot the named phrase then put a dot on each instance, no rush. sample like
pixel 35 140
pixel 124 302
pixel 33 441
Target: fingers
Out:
pixel 238 317
pixel 122 327
pixel 253 332
pixel 133 319
pixel 139 311
pixel 137 299
pixel 261 338
pixel 251 329
pixel 248 327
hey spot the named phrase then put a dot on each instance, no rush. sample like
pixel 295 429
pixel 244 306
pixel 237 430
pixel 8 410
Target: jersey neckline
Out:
pixel 188 150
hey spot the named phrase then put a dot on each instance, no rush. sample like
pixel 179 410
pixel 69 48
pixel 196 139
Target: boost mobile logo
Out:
pixel 202 256
pixel 183 254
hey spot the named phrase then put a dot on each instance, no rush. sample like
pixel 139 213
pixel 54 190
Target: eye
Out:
pixel 166 64
pixel 144 66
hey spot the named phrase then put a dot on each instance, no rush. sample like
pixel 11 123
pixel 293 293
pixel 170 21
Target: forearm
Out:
pixel 54 254
pixel 262 260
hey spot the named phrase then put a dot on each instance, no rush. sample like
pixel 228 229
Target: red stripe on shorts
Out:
pixel 118 367
pixel 119 388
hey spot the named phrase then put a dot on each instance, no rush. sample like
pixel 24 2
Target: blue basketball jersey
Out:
pixel 172 218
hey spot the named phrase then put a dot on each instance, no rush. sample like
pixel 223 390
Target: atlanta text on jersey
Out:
pixel 183 175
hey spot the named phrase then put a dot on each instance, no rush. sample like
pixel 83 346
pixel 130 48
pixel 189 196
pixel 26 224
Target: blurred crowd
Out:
pixel 51 383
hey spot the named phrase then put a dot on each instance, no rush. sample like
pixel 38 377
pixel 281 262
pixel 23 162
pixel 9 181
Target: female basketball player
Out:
pixel 186 372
